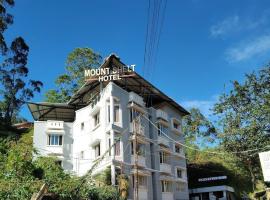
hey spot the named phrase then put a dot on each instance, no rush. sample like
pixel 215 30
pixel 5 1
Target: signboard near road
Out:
pixel 265 163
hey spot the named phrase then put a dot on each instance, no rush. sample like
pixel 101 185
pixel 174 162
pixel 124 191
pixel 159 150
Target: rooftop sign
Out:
pixel 265 163
pixel 108 74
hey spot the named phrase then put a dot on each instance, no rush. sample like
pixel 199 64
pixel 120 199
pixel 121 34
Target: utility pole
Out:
pixel 135 150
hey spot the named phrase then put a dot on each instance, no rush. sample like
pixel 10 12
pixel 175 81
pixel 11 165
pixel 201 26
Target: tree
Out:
pixel 68 83
pixel 16 89
pixel 6 19
pixel 198 130
pixel 244 116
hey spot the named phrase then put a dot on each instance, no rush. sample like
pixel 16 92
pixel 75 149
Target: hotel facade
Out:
pixel 108 119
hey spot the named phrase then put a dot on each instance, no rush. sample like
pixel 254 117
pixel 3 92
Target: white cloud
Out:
pixel 226 26
pixel 244 51
pixel 205 106
pixel 234 24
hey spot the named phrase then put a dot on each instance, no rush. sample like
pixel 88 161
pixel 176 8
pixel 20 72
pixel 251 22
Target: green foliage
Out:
pixel 15 88
pixel 244 116
pixel 103 193
pixel 5 20
pixel 123 183
pixel 21 177
pixel 67 84
pixel 57 180
pixel 103 178
pixel 198 130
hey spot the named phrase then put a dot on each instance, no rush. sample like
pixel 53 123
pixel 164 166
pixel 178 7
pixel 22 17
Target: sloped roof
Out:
pixel 135 83
pixel 66 111
pixel 52 111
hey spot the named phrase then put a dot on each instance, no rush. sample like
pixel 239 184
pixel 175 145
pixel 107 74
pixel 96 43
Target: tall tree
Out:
pixel 68 83
pixel 245 116
pixel 16 88
pixel 6 19
pixel 199 132
pixel 197 126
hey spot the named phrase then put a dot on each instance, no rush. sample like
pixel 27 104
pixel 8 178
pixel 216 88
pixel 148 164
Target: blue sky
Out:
pixel 203 46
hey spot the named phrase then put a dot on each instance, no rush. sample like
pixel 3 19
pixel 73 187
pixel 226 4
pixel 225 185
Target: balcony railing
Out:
pixel 162 115
pixel 133 97
pixel 143 193
pixel 137 127
pixel 55 124
pixel 165 167
pixel 54 150
pixel 163 140
pixel 167 195
pixel 141 160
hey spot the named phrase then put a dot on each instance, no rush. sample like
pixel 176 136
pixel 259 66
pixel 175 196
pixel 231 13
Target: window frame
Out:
pixel 96 118
pixel 99 150
pixel 54 135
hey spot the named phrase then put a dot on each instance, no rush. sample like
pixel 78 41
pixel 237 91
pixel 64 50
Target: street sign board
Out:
pixel 265 163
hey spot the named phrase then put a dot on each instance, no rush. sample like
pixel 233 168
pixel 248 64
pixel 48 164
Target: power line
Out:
pixel 206 151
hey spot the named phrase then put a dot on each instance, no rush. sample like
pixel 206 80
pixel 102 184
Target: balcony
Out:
pixel 165 167
pixel 140 130
pixel 167 195
pixel 55 124
pixel 162 115
pixel 133 97
pixel 163 140
pixel 179 152
pixel 54 150
pixel 142 193
pixel 176 126
pixel 141 160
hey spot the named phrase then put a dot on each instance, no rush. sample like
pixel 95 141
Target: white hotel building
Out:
pixel 101 114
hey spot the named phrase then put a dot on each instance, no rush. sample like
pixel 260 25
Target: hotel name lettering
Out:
pixel 107 74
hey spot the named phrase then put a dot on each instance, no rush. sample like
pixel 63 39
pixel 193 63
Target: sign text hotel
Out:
pixel 107 74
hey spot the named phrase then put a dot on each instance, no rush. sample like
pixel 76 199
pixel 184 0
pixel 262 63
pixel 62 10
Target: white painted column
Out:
pixel 112 109
pixel 112 139
pixel 113 157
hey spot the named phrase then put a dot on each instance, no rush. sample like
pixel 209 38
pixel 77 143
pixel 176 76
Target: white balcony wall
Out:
pixel 162 115
pixel 55 124
pixel 167 196
pixel 136 98
pixel 166 168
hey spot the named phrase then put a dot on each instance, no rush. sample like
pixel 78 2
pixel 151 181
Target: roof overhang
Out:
pixel 52 111
pixel 134 82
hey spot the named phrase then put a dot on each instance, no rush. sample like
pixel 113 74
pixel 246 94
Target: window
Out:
pixel 82 126
pixel 140 149
pixel 97 150
pixel 162 129
pixel 134 114
pixel 117 148
pixel 166 186
pixel 96 119
pixel 176 124
pixel 163 157
pixel 179 173
pixel 109 144
pixel 55 140
pixel 178 148
pixel 116 113
pixel 109 113
pixel 180 187
pixel 82 155
pixel 142 181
